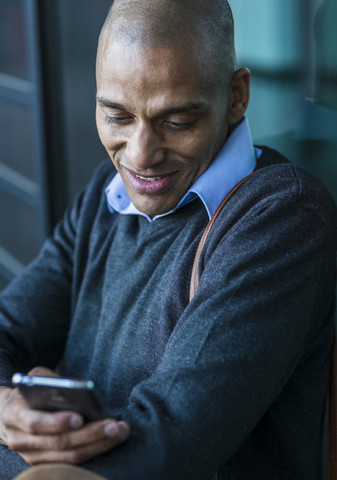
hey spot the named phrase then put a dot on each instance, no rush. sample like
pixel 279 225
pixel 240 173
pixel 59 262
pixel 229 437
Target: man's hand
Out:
pixel 41 437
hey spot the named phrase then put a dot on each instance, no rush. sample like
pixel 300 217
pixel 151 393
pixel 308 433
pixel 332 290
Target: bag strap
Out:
pixel 332 416
pixel 195 269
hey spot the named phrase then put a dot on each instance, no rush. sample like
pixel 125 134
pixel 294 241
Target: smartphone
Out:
pixel 54 394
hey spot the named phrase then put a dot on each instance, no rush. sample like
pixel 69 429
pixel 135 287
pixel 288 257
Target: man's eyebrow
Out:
pixel 109 104
pixel 189 107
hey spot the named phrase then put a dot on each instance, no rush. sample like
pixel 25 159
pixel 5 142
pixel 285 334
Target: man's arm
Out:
pixel 36 309
pixel 35 312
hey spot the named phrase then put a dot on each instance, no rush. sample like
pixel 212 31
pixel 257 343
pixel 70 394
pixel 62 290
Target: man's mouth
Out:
pixel 149 179
pixel 150 185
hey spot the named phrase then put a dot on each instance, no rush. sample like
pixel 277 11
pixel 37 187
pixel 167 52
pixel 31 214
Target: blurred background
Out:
pixel 48 141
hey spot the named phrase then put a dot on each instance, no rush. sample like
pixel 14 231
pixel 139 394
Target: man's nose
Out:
pixel 144 147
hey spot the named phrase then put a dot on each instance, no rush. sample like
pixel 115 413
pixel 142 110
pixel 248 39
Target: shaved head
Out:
pixel 206 26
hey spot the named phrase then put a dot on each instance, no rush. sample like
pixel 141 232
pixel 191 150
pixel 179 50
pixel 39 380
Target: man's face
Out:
pixel 160 120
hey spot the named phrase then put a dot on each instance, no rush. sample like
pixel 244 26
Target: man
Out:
pixel 233 382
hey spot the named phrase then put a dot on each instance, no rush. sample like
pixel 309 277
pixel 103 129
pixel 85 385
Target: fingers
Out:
pixel 73 447
pixel 74 456
pixel 37 422
pixel 43 372
pixel 107 430
pixel 17 415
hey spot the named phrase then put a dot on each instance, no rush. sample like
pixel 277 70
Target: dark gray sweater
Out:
pixel 237 379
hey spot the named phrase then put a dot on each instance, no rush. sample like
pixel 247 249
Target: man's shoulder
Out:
pixel 94 192
pixel 277 176
pixel 270 156
pixel 90 204
pixel 103 174
pixel 279 191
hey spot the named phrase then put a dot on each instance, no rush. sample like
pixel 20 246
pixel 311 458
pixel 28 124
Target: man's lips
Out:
pixel 150 184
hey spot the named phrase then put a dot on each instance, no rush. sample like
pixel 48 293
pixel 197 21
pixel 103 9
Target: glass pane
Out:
pixel 291 50
pixel 19 232
pixel 16 144
pixel 13 51
pixel 276 101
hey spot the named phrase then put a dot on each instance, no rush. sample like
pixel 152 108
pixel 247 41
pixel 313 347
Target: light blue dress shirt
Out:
pixel 236 159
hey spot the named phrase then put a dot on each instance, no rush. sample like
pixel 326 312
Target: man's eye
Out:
pixel 117 120
pixel 181 125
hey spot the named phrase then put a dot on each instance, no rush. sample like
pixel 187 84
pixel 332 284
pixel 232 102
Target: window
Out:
pixel 289 46
pixel 23 213
pixel 48 140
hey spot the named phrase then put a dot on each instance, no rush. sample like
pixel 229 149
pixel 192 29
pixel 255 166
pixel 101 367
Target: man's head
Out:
pixel 167 92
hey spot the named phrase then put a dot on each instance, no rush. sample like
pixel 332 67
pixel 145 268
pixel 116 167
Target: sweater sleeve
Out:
pixel 35 309
pixel 261 310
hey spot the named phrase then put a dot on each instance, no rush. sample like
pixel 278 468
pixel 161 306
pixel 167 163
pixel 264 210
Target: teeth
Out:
pixel 148 179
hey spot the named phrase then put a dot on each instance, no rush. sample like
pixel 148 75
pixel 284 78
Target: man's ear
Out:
pixel 238 95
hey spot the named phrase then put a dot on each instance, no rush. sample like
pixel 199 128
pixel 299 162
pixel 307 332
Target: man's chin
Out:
pixel 152 208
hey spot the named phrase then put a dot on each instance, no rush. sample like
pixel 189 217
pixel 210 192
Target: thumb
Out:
pixel 43 372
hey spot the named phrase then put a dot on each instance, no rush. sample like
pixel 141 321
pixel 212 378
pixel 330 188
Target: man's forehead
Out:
pixel 120 51
pixel 135 68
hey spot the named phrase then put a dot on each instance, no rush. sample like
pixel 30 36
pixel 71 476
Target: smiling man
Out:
pixel 233 381
pixel 163 101
pixel 164 135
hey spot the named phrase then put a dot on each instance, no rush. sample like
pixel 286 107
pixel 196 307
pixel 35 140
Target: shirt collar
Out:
pixel 235 160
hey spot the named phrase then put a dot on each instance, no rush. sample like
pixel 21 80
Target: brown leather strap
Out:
pixel 195 269
pixel 332 429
